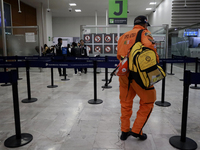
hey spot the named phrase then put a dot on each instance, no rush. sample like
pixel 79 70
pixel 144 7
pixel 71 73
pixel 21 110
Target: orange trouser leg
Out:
pixel 147 99
pixel 126 100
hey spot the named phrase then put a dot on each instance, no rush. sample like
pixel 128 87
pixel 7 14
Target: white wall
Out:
pixel 162 15
pixel 70 26
pixel 45 25
pixel 49 30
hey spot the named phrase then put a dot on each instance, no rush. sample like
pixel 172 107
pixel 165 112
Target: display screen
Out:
pixel 191 32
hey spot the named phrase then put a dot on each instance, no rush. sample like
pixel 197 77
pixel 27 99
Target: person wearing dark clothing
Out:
pixel 84 52
pixel 75 52
pixel 59 53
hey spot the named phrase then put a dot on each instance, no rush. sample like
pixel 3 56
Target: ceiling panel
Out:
pixel 59 8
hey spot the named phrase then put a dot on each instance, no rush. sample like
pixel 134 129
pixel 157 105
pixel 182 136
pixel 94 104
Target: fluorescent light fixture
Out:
pixel 72 4
pixel 77 10
pixel 152 3
pixel 148 8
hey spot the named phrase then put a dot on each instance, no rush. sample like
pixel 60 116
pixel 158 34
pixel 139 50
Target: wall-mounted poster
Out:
pixel 108 49
pixel 97 38
pixel 108 38
pixel 89 48
pixel 88 38
pixel 116 37
pixel 98 48
pixel 115 49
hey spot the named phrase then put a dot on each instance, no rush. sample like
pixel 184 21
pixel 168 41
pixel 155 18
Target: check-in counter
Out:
pixel 195 52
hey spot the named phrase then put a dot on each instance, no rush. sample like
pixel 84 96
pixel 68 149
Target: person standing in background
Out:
pixel 59 53
pixel 84 52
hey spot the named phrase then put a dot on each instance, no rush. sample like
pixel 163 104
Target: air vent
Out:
pixel 185 15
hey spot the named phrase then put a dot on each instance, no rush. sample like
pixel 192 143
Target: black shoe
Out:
pixel 142 137
pixel 124 135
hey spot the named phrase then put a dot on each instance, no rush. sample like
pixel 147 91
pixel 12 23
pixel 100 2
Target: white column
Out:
pixel 3 30
pixel 96 20
pixel 106 21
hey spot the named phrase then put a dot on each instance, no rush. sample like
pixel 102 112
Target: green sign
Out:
pixel 118 11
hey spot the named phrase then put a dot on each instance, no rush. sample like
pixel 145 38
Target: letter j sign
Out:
pixel 118 11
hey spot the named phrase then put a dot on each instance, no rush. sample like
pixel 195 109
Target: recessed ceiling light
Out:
pixel 148 8
pixel 72 4
pixel 77 10
pixel 152 3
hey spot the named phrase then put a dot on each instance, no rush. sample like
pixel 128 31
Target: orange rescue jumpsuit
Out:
pixel 147 97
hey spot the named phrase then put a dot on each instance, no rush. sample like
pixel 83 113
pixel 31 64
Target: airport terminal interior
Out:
pixel 62 117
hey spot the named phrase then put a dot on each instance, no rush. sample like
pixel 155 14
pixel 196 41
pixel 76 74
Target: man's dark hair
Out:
pixel 74 44
pixel 81 40
pixel 59 39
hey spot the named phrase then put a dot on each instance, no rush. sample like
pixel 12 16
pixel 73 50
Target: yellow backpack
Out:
pixel 143 66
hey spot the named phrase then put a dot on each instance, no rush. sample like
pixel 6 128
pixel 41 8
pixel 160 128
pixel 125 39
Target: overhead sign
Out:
pixel 118 11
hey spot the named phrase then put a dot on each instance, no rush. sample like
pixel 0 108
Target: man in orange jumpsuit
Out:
pixel 147 97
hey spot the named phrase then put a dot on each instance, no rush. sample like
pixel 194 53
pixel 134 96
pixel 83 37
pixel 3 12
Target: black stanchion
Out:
pixel 29 99
pixel 106 76
pixel 6 84
pixel 162 102
pixel 19 139
pixel 17 68
pixel 184 67
pixel 52 83
pixel 95 100
pixel 65 75
pixel 171 67
pixel 196 70
pixel 182 142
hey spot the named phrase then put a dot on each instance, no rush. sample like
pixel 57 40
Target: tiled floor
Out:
pixel 62 119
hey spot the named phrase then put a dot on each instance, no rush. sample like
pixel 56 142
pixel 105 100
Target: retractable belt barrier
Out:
pixel 182 142
pixel 19 139
pixel 83 62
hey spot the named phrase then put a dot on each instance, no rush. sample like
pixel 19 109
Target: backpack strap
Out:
pixel 138 39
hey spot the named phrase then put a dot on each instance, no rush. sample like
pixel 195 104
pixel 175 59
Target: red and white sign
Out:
pixel 89 48
pixel 107 38
pixel 97 38
pixel 87 38
pixel 97 49
pixel 107 49
pixel 116 48
pixel 116 38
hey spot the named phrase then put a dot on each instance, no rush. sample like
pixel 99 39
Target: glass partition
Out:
pixel 22 41
pixel 103 39
pixel 186 41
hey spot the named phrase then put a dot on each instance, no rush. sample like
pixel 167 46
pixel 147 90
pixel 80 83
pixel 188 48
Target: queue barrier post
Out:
pixel 65 75
pixel 29 99
pixel 182 142
pixel 163 103
pixel 171 67
pixel 95 100
pixel 17 68
pixel 106 76
pixel 106 70
pixel 6 84
pixel 52 82
pixel 196 70
pixel 184 68
pixel 20 139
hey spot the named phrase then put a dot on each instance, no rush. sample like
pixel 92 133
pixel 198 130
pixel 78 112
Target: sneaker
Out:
pixel 79 73
pixel 124 135
pixel 141 137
